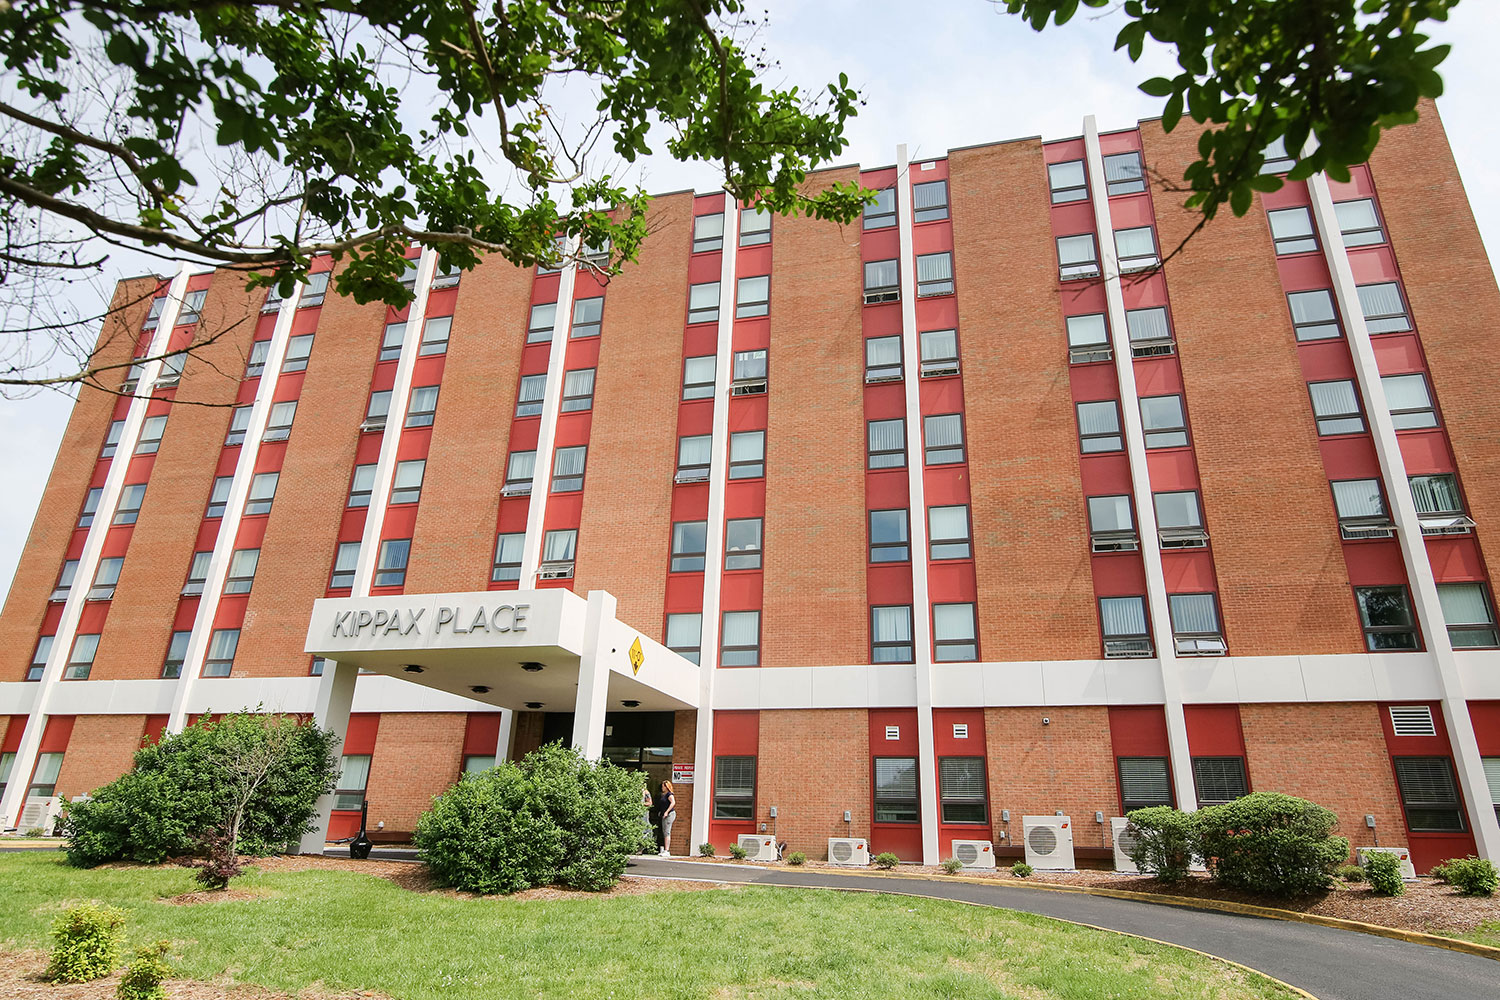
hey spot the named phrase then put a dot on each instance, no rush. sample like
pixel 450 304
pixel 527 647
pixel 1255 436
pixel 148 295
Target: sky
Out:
pixel 959 73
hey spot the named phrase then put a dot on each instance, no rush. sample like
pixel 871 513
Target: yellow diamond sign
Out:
pixel 637 656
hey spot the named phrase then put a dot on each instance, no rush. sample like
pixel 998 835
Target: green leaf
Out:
pixel 1157 86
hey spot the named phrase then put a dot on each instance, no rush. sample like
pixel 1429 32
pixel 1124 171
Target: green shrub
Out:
pixel 87 943
pixel 1350 873
pixel 180 789
pixel 737 852
pixel 1163 842
pixel 143 976
pixel 1021 870
pixel 551 818
pixel 796 858
pixel 1439 873
pixel 953 866
pixel 1269 842
pixel 705 850
pixel 1471 876
pixel 886 860
pixel 1384 872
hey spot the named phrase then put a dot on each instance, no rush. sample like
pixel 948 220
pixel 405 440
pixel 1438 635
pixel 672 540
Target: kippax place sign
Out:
pixel 406 621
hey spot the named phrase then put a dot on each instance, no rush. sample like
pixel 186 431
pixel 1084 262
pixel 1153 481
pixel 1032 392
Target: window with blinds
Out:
pixel 354 775
pixel 890 634
pixel 685 634
pixel 1492 777
pixel 1217 780
pixel 1313 315
pixel 961 789
pixel 930 201
pixel 1429 794
pixel 896 790
pixel 934 274
pixel 734 788
pixel 1144 782
pixel 1384 310
pixel 567 469
pixel 1336 407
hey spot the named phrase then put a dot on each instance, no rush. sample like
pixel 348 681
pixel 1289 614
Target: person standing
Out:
pixel 648 803
pixel 666 809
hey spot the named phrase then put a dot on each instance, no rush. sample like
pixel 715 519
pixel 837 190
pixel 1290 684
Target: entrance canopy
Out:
pixel 507 648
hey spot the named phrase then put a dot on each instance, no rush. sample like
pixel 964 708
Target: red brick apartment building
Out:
pixel 899 530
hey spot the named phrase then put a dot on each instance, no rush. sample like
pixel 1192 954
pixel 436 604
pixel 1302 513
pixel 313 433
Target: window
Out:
pixel 1385 613
pixel 197 573
pixel 1469 614
pixel 298 350
pixel 508 557
pixel 1179 521
pixel 883 359
pixel 930 201
pixel 65 581
pixel 543 319
pixel 1077 257
pixel 129 507
pixel 578 390
pixel 344 564
pixel 896 790
pixel 882 281
pixel 112 437
pixel 698 377
pixel 1436 494
pixel 218 499
pixel 151 432
pixel 176 654
pixel 1292 230
pixel 891 634
pixel 689 545
pixel 747 455
pixel 39 658
pixel 362 486
pixel 961 790
pixel 1123 623
pixel 533 391
pixel 1313 315
pixel 435 333
pixel 239 423
pixel 739 640
pixel 742 543
pixel 734 788
pixel 1336 407
pixel 1359 223
pixel 939 350
pixel 476 763
pixel 378 410
pixel 390 569
pixel 1410 401
pixel 953 633
pixel 1144 782
pixel 423 406
pixel 518 472
pixel 708 232
pixel 1124 173
pixel 279 424
pixel 685 635
pixel 948 532
pixel 133 377
pixel 934 274
pixel 1112 525
pixel 390 342
pixel 192 307
pixel 889 537
pixel 588 317
pixel 567 468
pixel 1217 780
pixel 262 492
pixel 1088 339
pixel 1195 624
pixel 1136 248
pixel 1277 161
pixel 945 438
pixel 1491 773
pixel 887 443
pixel 1429 794
pixel 153 317
pixel 90 506
pixel 354 776
pixel 749 372
pixel 559 549
pixel 1384 310
pixel 881 213
pixel 703 302
pixel 406 485
pixel 241 571
pixel 753 297
pixel 1099 427
pixel 1163 422
pixel 44 778
pixel 1149 331
pixel 105 578
pixel 1067 181
pixel 1361 509
pixel 755 227
pixel 82 659
pixel 693 456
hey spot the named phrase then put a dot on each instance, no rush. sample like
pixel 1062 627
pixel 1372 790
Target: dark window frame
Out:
pixel 908 645
pixel 734 807
pixel 1127 804
pixel 745 558
pixel 959 801
pixel 1453 805
pixel 873 458
pixel 688 560
pixel 904 545
pixel 911 806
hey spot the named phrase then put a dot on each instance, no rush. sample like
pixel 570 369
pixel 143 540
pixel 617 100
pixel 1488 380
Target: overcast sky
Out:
pixel 957 74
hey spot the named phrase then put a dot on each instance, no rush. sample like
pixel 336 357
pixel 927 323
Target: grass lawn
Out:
pixel 345 931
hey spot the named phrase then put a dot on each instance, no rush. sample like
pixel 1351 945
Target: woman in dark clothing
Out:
pixel 666 809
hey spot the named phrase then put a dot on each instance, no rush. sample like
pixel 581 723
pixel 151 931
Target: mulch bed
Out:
pixel 21 979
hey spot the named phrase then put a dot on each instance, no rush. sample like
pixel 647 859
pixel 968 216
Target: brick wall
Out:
pixel 417 755
pixel 1034 770
pixel 813 764
pixel 101 748
pixel 1031 550
pixel 684 751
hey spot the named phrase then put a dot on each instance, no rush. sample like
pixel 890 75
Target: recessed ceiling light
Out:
pixel 533 704
pixel 412 668
pixel 480 689
pixel 631 703
pixel 531 666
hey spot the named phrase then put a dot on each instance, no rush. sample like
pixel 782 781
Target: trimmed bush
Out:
pixel 705 850
pixel 87 943
pixel 796 858
pixel 145 973
pixel 953 866
pixel 1271 843
pixel 737 852
pixel 1163 842
pixel 551 818
pixel 886 860
pixel 1471 876
pixel 1384 872
pixel 1350 873
pixel 1021 870
pixel 183 787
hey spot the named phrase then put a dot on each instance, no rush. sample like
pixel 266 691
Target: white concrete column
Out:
pixel 335 699
pixel 14 799
pixel 713 565
pixel 505 743
pixel 916 469
pixel 1140 477
pixel 593 676
pixel 1423 585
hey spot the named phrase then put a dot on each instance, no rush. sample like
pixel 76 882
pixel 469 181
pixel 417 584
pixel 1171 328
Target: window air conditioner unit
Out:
pixel 1085 355
pixel 1408 870
pixel 848 851
pixel 559 570
pixel 1114 541
pixel 516 490
pixel 128 385
pixel 975 853
pixel 193 588
pixel 882 375
pixel 1076 271
pixel 1049 842
pixel 372 424
pixel 748 387
pixel 1206 645
pixel 934 369
pixel 1183 538
pixel 40 813
pixel 276 434
pixel 1122 835
pixel 1131 264
pixel 168 381
pixel 758 847
pixel 1354 529
pixel 1116 649
pixel 1152 349
pixel 1457 524
pixel 875 296
pixel 691 476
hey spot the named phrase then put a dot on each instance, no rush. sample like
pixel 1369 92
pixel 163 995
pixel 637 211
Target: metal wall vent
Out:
pixel 1412 720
